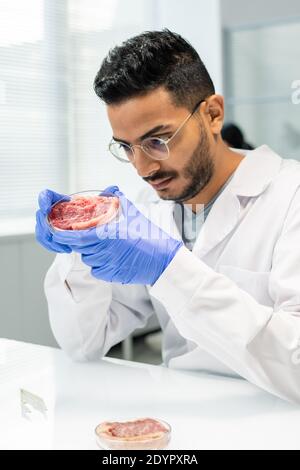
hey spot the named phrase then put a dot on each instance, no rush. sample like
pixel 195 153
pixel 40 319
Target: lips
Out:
pixel 162 183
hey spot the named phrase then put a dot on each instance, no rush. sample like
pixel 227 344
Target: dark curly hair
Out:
pixel 148 61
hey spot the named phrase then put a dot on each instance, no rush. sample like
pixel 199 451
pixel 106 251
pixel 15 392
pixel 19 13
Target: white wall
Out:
pixel 198 21
pixel 236 13
pixel 23 309
pixel 263 38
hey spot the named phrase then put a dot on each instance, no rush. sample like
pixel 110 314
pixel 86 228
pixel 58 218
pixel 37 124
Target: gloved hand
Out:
pixel 42 232
pixel 131 251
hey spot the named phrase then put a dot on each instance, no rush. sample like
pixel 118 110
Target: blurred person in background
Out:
pixel 234 137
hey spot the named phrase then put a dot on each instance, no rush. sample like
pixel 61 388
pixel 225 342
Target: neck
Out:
pixel 226 162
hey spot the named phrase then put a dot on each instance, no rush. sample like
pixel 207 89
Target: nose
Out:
pixel 144 165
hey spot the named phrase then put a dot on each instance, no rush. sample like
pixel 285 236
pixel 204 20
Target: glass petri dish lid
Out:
pixel 83 210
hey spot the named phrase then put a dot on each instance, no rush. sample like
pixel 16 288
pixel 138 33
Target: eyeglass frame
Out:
pixel 166 142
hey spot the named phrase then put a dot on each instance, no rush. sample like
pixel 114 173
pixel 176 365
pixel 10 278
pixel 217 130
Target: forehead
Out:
pixel 134 117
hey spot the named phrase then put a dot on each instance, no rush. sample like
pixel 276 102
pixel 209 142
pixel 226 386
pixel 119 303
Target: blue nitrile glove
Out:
pixel 132 250
pixel 42 232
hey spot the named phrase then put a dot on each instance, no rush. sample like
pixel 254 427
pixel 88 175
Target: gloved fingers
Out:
pixel 124 202
pixel 106 273
pixel 121 275
pixel 42 226
pixel 126 206
pixel 102 272
pixel 55 247
pixel 101 258
pixel 129 210
pixel 51 246
pixel 107 231
pixel 86 237
pixel 44 236
pixel 110 190
pixel 76 237
pixel 115 190
pixel 47 198
pixel 86 249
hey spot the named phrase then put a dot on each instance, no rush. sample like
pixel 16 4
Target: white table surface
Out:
pixel 205 411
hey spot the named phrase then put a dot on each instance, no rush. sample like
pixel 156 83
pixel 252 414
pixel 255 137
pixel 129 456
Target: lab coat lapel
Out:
pixel 251 178
pixel 222 219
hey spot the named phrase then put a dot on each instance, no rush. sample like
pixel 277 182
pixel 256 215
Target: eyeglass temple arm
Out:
pixel 186 119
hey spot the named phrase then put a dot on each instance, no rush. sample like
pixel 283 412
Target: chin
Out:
pixel 168 195
pixel 174 192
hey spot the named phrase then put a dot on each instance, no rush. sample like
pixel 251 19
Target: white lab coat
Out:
pixel 231 306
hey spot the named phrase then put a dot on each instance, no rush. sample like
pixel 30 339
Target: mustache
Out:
pixel 159 176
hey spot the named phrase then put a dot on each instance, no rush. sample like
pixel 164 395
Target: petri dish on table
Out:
pixel 83 210
pixel 134 434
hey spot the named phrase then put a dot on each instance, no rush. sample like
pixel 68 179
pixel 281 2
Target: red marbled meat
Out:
pixel 142 427
pixel 83 212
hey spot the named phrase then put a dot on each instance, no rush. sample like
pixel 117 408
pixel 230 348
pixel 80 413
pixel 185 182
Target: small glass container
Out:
pixel 154 441
pixel 79 211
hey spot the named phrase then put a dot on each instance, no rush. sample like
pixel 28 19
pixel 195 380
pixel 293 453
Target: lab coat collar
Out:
pixel 255 172
pixel 253 175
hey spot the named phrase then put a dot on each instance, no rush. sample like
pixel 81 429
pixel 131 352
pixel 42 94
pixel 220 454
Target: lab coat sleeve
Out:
pixel 89 316
pixel 260 343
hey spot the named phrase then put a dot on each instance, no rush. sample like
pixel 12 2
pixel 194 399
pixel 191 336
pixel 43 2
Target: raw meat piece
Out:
pixel 136 428
pixel 83 212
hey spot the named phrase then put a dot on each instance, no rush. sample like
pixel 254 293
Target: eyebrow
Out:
pixel 147 134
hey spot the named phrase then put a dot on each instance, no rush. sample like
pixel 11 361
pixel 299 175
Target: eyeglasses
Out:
pixel 154 147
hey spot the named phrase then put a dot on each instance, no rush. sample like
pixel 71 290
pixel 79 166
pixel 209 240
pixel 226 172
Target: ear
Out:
pixel 215 113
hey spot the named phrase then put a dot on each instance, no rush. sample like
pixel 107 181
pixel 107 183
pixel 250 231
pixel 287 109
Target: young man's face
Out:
pixel 190 165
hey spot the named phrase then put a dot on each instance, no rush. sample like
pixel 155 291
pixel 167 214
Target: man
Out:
pixel 229 301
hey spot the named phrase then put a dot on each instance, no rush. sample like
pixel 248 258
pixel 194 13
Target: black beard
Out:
pixel 198 171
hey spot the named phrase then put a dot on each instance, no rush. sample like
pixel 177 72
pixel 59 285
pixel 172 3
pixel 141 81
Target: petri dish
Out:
pixel 133 434
pixel 83 210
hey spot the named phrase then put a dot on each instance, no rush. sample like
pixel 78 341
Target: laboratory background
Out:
pixel 55 132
